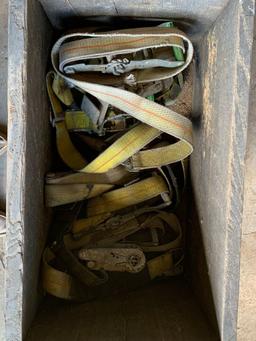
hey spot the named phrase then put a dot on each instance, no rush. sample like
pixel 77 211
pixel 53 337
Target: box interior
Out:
pixel 196 304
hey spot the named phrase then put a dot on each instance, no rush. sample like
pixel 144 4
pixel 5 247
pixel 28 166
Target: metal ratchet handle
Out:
pixel 120 66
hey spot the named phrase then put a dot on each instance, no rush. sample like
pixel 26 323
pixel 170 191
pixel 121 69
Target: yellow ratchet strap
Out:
pixel 115 229
pixel 63 285
pixel 78 121
pixel 66 149
pixel 62 91
pixel 132 141
pixel 127 196
pixel 155 158
pixel 160 265
pixel 55 282
pixel 59 283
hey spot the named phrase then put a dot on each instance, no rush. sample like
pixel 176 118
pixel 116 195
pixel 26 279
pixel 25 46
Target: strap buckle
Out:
pixel 117 66
pixel 54 120
pixel 128 164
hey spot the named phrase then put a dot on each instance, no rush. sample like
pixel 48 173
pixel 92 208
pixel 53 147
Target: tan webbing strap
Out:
pixel 154 158
pixel 153 114
pixel 81 226
pixel 103 235
pixel 115 176
pixel 164 155
pixel 126 41
pixel 86 225
pixel 157 221
pixel 56 195
pixel 62 189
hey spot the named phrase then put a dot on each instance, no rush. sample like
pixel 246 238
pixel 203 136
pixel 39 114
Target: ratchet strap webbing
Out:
pixel 116 176
pixel 126 149
pixel 133 194
pixel 63 274
pixel 85 225
pixel 157 118
pixel 56 195
pixel 67 188
pixel 59 283
pixel 69 154
pixel 106 234
pixel 127 145
pixel 150 158
pixel 63 285
pixel 121 42
pixel 127 196
pixel 56 281
pixel 72 285
pixel 157 157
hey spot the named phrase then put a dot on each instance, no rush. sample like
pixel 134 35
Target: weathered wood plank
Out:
pixel 217 164
pixel 3 128
pixel 2 286
pixel 3 93
pixel 198 14
pixel 247 300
